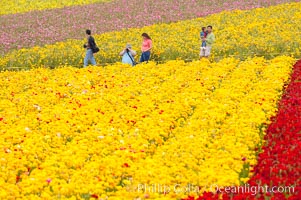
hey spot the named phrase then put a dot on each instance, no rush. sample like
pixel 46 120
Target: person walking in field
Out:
pixel 146 47
pixel 90 45
pixel 128 55
pixel 209 40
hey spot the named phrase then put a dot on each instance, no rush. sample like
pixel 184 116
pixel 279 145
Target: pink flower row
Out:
pixel 49 26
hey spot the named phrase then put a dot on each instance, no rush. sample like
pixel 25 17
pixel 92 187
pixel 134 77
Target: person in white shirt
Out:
pixel 128 55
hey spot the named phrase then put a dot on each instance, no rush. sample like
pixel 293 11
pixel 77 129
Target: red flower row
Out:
pixel 279 164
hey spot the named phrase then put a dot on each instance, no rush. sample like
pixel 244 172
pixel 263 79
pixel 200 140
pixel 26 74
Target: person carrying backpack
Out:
pixel 90 49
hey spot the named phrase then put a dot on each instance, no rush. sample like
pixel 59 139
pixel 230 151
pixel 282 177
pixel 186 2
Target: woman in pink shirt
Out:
pixel 146 47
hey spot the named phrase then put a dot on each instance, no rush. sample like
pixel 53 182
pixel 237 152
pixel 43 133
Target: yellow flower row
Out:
pixel 21 6
pixel 129 132
pixel 264 32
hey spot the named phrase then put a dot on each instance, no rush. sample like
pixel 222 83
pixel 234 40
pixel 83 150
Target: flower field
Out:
pixel 172 128
pixel 75 133
pixel 279 162
pixel 261 33
pixel 55 25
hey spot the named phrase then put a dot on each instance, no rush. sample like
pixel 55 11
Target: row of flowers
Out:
pixel 12 7
pixel 38 28
pixel 279 161
pixel 260 33
pixel 121 132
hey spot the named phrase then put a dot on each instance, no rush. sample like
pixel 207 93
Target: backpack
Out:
pixel 93 45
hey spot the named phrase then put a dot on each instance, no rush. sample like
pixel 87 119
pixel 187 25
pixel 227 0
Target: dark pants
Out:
pixel 145 56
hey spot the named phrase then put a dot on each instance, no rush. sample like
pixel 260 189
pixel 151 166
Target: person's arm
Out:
pixel 133 53
pixel 210 39
pixel 150 46
pixel 86 45
pixel 122 52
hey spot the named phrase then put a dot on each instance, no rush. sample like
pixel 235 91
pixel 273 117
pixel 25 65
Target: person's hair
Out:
pixel 88 32
pixel 146 35
pixel 203 28
pixel 209 26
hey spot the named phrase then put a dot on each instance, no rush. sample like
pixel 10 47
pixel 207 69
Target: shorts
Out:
pixel 205 51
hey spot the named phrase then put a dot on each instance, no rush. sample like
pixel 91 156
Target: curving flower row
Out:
pixel 109 132
pixel 12 7
pixel 38 28
pixel 260 33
